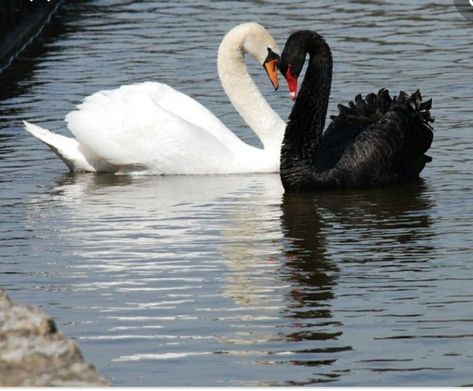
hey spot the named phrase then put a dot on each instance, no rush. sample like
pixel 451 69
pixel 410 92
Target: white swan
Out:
pixel 152 128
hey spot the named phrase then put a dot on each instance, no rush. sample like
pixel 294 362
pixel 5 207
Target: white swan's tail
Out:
pixel 66 148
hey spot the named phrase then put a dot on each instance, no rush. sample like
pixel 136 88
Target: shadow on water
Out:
pixel 391 226
pixel 93 180
pixel 17 79
pixel 14 79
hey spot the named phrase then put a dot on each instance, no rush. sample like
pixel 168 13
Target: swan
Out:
pixel 152 128
pixel 373 142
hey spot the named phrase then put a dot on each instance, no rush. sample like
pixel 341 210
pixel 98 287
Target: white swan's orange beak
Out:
pixel 271 67
pixel 291 83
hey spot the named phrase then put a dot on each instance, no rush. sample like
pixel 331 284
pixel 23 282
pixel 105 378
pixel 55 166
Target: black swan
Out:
pixel 374 141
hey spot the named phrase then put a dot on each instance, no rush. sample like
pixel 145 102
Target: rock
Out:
pixel 34 354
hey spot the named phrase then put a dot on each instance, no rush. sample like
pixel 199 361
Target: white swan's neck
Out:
pixel 240 87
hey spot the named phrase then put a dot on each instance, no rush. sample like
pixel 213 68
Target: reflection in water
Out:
pixel 307 262
pixel 312 275
pixel 217 272
pixel 321 231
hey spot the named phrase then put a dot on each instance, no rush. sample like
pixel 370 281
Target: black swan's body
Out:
pixel 375 141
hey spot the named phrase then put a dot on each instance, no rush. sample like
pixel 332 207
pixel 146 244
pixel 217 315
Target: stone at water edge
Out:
pixel 33 353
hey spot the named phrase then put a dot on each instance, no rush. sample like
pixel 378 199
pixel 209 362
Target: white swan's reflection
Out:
pixel 180 249
pixel 176 226
pixel 118 220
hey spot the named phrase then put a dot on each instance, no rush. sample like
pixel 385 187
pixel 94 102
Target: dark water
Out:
pixel 223 280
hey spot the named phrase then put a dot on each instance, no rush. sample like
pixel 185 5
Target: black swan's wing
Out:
pixel 348 124
pixel 390 150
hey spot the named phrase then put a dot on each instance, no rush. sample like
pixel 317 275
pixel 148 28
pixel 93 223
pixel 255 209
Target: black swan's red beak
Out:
pixel 292 83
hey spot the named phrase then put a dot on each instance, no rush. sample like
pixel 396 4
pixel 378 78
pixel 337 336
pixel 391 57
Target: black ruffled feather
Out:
pixel 375 141
pixel 362 114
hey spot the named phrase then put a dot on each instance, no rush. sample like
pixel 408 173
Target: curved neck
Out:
pixel 307 118
pixel 245 96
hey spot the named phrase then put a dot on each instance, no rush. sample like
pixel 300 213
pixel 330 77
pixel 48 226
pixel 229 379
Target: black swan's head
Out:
pixel 293 56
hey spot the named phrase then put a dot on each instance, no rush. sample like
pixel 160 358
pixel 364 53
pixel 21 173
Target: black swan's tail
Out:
pixel 397 130
pixel 364 112
pixel 418 138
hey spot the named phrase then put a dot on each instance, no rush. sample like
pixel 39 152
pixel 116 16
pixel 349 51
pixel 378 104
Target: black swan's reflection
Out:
pixel 325 231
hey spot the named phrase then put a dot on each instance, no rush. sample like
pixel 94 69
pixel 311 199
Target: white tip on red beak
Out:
pixel 292 95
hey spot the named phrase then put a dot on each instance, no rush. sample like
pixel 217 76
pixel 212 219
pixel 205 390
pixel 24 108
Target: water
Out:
pixel 224 280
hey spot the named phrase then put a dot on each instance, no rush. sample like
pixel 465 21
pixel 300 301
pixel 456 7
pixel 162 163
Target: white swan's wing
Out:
pixel 153 127
pixel 182 106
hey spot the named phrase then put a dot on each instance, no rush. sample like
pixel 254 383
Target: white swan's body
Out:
pixel 152 128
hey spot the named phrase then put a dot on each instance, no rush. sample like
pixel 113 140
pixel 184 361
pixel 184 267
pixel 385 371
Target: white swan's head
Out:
pixel 254 39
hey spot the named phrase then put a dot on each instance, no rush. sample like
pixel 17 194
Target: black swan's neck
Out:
pixel 307 119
